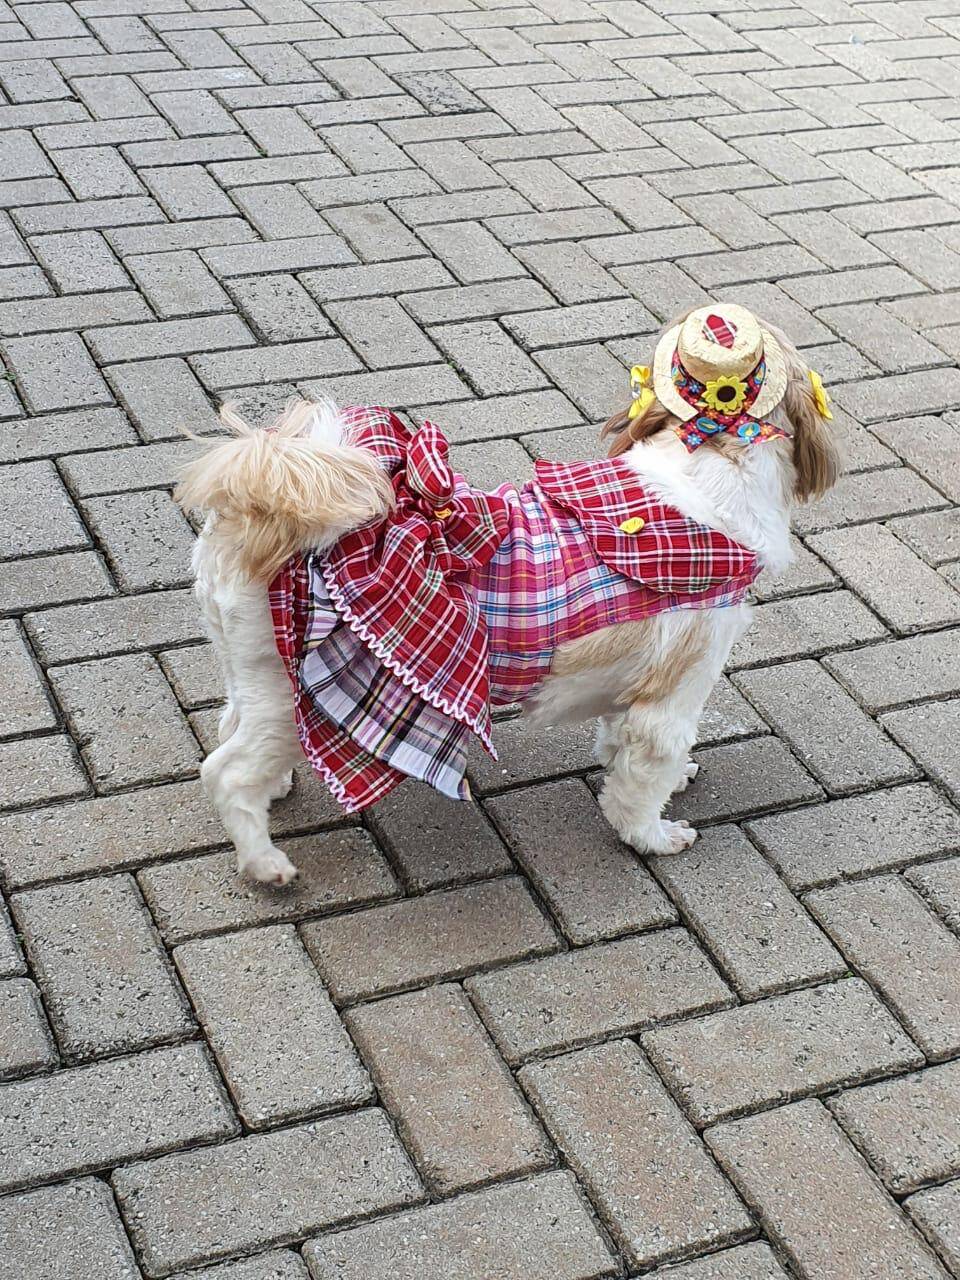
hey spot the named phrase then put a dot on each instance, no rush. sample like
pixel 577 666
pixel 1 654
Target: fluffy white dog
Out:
pixel 733 431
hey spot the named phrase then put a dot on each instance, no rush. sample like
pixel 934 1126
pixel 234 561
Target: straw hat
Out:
pixel 719 341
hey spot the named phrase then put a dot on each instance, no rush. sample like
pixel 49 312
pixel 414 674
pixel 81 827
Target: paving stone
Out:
pixel 141 342
pixel 624 1136
pixel 488 464
pixel 442 935
pixel 109 1112
pixel 366 323
pixel 279 308
pixel 845 838
pixel 538 1230
pixel 301 1061
pixel 594 993
pixel 886 675
pixel 206 895
pixel 37 514
pixel 786 1164
pixel 263 1190
pixel 276 363
pixel 434 306
pixel 80 261
pixel 738 778
pixel 106 982
pixel 934 536
pixel 26 1042
pixel 454 1102
pixel 177 284
pixel 931 446
pixel 871 496
pixel 843 748
pixel 437 842
pixel 930 734
pixel 64 1232
pixel 39 770
pixel 909 1129
pixel 471 252
pixel 147 540
pixel 778 1049
pixel 279 1265
pixel 886 931
pixel 161 397
pixel 27 707
pixel 753 1261
pixel 935 1213
pixel 43 580
pixel 590 375
pixel 727 716
pixel 591 882
pixel 806 625
pixel 54 371
pixel 499 415
pixel 869 557
pixel 73 632
pixel 526 754
pixel 752 926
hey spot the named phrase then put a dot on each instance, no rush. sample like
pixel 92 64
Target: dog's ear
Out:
pixel 816 456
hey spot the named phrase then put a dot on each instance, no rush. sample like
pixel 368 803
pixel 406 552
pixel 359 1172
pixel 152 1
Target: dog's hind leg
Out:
pixel 252 766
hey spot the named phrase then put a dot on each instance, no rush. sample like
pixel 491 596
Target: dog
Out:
pixel 324 536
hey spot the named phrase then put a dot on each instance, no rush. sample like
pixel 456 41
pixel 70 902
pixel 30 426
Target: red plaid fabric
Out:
pixel 719 330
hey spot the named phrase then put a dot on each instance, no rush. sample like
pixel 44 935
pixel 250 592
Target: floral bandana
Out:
pixel 724 405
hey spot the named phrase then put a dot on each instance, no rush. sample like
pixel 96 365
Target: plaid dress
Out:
pixel 399 639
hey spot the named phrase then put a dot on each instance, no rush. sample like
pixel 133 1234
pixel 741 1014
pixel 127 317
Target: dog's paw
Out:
pixel 664 838
pixel 283 787
pixel 690 771
pixel 271 867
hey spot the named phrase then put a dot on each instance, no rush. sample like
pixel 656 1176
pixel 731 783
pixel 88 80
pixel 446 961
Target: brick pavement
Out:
pixel 481 1044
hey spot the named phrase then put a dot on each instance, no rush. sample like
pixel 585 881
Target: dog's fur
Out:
pixel 270 495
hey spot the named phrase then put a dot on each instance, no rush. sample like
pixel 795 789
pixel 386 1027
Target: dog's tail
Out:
pixel 291 488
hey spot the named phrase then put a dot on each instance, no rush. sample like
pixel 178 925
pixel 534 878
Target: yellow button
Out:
pixel 442 515
pixel 633 525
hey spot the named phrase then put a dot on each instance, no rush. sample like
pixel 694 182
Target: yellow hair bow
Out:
pixel 643 396
pixel 820 397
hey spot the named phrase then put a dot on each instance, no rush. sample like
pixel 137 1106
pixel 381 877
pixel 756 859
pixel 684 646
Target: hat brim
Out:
pixel 771 393
pixel 666 392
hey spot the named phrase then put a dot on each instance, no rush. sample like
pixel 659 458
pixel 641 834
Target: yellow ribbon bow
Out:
pixel 643 396
pixel 820 397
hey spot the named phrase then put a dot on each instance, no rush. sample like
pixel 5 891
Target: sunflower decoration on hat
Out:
pixel 719 371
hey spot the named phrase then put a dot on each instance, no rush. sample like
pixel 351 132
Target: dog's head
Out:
pixel 813 449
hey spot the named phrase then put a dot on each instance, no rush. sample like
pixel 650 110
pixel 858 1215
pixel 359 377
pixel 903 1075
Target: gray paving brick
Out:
pixel 443 935
pixel 146 539
pixel 907 1128
pixel 471 252
pixel 935 1213
pixel 301 1061
pixel 118 343
pixel 590 881
pixel 278 363
pixel 297 254
pixel 278 308
pixel 262 1190
pixel 281 1264
pixel 38 771
pixel 108 1112
pixel 36 512
pixel 26 1045
pixel 437 842
pixel 931 446
pixel 27 707
pixel 366 323
pixel 93 835
pixel 60 1233
pixel 930 734
pixel 198 233
pixel 54 371
pixel 843 748
pixel 775 1050
pixel 888 343
pixel 488 358
pixel 785 1162
pixel 197 896
pixel 526 754
pixel 752 926
pixel 124 714
pixel 177 284
pixel 755 1261
pixel 437 1071
pixel 738 778
pixel 161 397
pixel 888 933
pixel 844 838
pixel 434 306
pixel 106 982
pixel 44 580
pixel 901 671
pixel 534 1230
pixel 595 993
pixel 869 558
